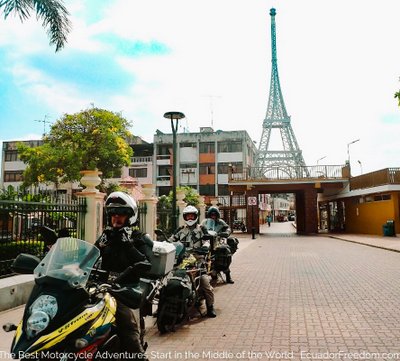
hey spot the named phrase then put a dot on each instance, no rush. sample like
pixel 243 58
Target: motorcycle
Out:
pixel 153 283
pixel 71 311
pixel 222 249
pixel 179 295
pixel 239 225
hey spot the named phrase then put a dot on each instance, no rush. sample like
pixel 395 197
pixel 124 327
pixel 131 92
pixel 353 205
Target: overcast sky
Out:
pixel 338 62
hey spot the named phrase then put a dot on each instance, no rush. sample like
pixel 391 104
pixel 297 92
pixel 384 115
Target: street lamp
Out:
pixel 359 162
pixel 174 116
pixel 348 153
pixel 321 159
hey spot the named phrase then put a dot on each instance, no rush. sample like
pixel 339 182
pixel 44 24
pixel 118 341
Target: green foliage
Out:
pixel 8 194
pixel 191 195
pixel 111 187
pixel 164 207
pixel 11 250
pixel 91 139
pixel 397 95
pixel 191 198
pixel 53 14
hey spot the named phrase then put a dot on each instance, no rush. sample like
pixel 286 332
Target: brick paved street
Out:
pixel 297 294
pixel 301 298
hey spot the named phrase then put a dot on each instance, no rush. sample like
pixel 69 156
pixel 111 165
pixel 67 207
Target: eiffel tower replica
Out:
pixel 289 162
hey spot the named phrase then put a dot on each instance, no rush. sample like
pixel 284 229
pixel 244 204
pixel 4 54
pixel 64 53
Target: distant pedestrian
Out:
pixel 269 219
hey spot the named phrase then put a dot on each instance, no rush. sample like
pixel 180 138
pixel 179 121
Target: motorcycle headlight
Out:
pixel 42 310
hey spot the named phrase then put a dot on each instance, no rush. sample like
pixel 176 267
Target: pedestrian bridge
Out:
pixel 289 173
pixel 304 181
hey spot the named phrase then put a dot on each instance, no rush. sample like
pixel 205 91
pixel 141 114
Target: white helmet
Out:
pixel 122 203
pixel 190 210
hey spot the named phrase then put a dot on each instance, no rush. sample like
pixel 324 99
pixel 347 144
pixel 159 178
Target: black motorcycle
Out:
pixel 239 225
pixel 180 296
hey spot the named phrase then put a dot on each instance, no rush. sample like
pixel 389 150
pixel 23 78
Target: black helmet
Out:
pixel 122 203
pixel 214 210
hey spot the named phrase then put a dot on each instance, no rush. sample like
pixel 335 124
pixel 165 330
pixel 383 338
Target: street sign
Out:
pixel 251 201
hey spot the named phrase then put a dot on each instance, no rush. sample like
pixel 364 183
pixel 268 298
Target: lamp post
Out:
pixel 348 153
pixel 321 159
pixel 174 116
pixel 359 162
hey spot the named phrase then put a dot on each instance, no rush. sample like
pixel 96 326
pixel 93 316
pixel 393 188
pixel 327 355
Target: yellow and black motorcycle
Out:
pixel 70 313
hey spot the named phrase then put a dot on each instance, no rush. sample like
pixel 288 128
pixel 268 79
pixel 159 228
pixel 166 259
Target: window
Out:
pixel 13 176
pixel 382 197
pixel 164 149
pixel 207 168
pixel 207 190
pixel 223 190
pixel 207 147
pixel 187 145
pixel 164 170
pixel 164 191
pixel 188 165
pixel 138 172
pixel 230 146
pixel 11 156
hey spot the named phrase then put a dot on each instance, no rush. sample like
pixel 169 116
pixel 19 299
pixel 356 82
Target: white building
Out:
pixel 203 159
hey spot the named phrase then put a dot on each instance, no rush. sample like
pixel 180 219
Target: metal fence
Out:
pixel 288 173
pixel 21 221
pixel 164 218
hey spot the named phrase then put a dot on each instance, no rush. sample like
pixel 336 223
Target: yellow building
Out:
pixel 365 206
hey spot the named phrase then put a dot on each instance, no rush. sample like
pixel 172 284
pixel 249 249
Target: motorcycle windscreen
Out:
pixel 69 259
pixel 210 224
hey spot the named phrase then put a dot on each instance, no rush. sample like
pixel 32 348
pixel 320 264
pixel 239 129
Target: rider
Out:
pixel 221 228
pixel 122 246
pixel 191 236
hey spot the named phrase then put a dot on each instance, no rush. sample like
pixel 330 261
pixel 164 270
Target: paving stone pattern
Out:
pixel 297 298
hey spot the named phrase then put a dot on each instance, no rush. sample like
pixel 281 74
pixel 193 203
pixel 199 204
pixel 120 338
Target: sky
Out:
pixel 338 63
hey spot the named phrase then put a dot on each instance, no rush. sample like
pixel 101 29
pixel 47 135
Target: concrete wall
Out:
pixel 15 291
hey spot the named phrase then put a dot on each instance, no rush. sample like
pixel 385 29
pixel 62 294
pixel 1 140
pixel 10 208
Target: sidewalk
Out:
pixel 372 240
pixel 387 243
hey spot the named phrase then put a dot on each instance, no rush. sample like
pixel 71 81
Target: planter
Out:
pixel 90 180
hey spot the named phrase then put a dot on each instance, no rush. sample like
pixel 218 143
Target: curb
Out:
pixel 364 244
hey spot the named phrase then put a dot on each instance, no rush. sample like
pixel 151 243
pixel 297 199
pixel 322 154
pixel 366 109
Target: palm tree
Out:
pixel 52 12
pixel 397 95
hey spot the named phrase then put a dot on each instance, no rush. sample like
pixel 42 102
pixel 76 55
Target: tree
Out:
pixel 91 139
pixel 397 95
pixel 191 196
pixel 53 14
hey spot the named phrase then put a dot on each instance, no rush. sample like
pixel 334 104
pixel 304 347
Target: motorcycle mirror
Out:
pixel 49 235
pixel 25 263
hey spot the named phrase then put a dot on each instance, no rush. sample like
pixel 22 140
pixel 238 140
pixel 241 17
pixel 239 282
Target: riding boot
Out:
pixel 210 311
pixel 228 278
